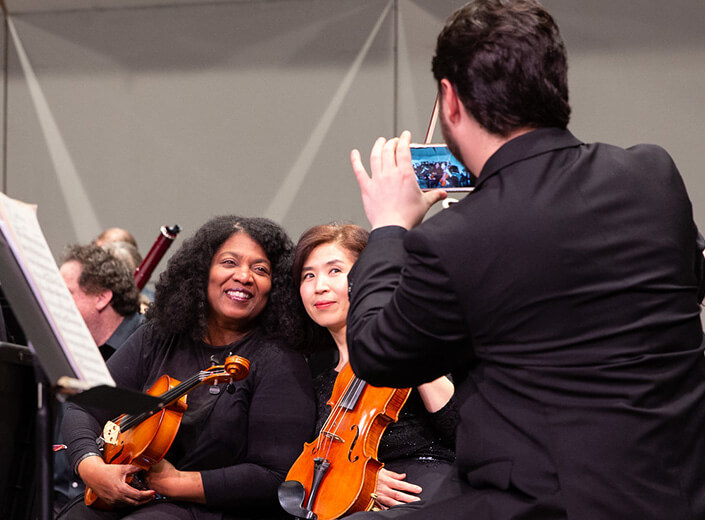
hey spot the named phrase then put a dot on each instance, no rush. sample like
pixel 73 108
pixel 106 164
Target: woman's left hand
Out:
pixel 168 481
pixel 393 490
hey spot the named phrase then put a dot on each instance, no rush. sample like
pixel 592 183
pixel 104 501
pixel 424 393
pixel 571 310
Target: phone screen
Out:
pixel 436 167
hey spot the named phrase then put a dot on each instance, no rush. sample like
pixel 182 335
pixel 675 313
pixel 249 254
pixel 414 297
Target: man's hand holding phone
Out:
pixel 391 195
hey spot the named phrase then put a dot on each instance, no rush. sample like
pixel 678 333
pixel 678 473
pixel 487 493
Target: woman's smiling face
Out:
pixel 324 285
pixel 239 283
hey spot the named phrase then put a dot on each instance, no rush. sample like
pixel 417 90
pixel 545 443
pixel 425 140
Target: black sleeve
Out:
pixel 281 418
pixel 405 325
pixel 81 427
pixel 445 422
pixel 700 267
pixel 3 333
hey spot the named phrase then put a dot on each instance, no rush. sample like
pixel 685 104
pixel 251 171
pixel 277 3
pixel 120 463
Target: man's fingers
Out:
pixel 403 152
pixel 433 196
pixel 376 156
pixel 359 169
pixel 389 157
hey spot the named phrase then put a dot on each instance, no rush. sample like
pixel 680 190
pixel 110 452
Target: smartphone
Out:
pixel 436 167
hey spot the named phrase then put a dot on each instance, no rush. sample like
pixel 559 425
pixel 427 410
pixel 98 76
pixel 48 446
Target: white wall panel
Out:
pixel 172 114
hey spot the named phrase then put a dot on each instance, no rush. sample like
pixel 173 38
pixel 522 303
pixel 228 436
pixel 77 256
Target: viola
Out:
pixel 156 252
pixel 337 473
pixel 144 439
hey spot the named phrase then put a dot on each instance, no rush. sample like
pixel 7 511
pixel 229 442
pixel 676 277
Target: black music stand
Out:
pixel 49 364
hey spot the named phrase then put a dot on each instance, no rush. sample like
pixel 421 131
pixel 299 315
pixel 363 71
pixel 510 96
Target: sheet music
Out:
pixel 19 225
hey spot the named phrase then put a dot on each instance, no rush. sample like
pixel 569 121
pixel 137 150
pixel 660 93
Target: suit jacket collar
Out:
pixel 527 145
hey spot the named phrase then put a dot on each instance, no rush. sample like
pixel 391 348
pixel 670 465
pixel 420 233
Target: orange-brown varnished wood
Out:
pixel 349 441
pixel 148 441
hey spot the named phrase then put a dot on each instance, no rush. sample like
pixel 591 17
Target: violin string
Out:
pixel 347 402
pixel 128 421
pixel 332 418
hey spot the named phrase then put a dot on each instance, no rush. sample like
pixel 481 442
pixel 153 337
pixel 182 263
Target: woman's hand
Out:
pixel 109 482
pixel 168 481
pixel 393 490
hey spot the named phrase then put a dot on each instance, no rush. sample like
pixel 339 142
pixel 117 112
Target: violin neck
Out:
pixel 168 397
pixel 352 393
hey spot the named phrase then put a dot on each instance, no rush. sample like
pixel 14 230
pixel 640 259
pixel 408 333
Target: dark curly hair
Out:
pixel 180 299
pixel 507 63
pixel 102 271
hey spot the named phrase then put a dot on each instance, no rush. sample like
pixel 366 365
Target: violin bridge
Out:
pixel 111 432
pixel 332 436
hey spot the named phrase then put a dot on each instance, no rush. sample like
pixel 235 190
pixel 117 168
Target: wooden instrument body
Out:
pixel 349 441
pixel 148 442
pixel 146 438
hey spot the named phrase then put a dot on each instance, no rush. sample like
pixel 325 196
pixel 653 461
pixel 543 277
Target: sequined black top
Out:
pixel 417 434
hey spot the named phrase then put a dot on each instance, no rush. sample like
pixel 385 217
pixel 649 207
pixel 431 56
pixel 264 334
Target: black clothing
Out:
pixel 417 434
pixel 241 438
pixel 3 332
pixel 66 484
pixel 563 295
pixel 128 325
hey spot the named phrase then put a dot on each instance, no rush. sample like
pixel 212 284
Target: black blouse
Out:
pixel 241 438
pixel 417 434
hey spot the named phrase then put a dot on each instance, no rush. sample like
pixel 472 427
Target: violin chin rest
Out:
pixel 291 497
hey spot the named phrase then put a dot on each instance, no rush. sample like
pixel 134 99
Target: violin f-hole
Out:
pixel 117 455
pixel 356 428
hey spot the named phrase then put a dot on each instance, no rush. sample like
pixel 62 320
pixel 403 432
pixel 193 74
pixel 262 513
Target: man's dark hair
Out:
pixel 101 271
pixel 507 63
pixel 181 294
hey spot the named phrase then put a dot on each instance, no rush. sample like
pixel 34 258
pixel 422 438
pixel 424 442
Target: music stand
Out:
pixel 66 361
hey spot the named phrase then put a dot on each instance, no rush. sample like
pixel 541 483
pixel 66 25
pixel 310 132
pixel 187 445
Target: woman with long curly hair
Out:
pixel 227 290
pixel 417 450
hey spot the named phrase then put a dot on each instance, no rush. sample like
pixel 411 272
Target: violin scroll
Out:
pixel 234 369
pixel 238 367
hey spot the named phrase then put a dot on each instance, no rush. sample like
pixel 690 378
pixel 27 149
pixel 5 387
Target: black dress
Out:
pixel 420 443
pixel 242 438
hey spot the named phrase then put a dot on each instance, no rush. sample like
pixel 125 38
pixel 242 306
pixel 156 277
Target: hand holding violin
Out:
pixel 109 482
pixel 168 481
pixel 393 490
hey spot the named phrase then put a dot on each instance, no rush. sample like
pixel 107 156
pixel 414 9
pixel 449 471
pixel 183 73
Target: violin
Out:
pixel 166 237
pixel 144 439
pixel 337 473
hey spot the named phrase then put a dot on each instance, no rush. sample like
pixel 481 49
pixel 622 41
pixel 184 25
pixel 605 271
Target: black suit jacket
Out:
pixel 565 290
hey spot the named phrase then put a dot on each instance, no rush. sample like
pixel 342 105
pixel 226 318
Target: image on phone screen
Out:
pixel 436 167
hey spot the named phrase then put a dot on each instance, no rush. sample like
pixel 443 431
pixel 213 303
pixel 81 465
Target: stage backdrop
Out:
pixel 145 112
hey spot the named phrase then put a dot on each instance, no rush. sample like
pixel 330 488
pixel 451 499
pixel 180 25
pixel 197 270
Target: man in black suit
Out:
pixel 563 292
